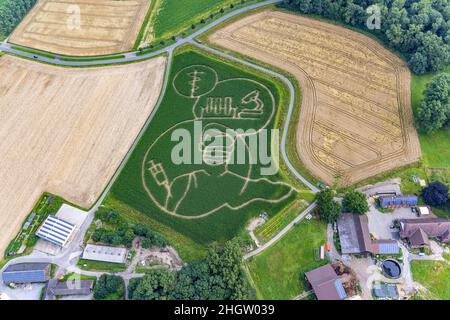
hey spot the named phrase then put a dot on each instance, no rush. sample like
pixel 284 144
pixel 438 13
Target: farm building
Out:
pixel 56 230
pixel 326 283
pixel 69 288
pixel 105 254
pixel 26 273
pixel 417 232
pixel 355 237
pixel 398 201
pixel 385 291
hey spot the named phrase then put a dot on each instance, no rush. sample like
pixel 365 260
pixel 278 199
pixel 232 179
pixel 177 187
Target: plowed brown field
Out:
pixel 105 26
pixel 355 119
pixel 65 131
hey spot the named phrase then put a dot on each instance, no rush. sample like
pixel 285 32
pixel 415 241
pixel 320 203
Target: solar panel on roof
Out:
pixel 388 248
pixel 340 289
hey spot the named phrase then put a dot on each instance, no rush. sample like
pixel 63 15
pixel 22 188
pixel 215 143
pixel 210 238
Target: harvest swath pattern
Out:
pixel 105 26
pixel 355 118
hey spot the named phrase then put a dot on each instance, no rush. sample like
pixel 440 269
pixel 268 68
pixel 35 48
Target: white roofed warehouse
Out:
pixel 56 230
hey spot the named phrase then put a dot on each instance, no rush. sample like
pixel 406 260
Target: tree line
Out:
pixel 419 29
pixel 11 13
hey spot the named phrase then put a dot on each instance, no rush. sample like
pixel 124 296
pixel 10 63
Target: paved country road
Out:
pixel 69 256
pixel 129 56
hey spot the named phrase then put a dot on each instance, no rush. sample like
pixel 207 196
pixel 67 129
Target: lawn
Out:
pixel 90 265
pixel 278 272
pixel 435 146
pixel 433 275
pixel 199 203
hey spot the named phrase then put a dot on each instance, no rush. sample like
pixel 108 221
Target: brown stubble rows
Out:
pixel 65 131
pixel 355 119
pixel 106 26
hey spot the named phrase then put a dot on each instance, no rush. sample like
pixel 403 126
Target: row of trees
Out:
pixel 219 276
pixel 11 13
pixel 434 111
pixel 330 210
pixel 120 232
pixel 419 29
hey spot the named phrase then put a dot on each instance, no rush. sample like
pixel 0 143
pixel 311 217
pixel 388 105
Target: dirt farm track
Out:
pixel 82 27
pixel 356 118
pixel 65 131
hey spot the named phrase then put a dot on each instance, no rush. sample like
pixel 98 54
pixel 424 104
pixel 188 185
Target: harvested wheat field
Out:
pixel 65 131
pixel 82 27
pixel 355 118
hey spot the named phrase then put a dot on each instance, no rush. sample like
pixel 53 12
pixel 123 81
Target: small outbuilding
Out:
pixel 399 201
pixel 71 288
pixel 326 283
pixel 105 253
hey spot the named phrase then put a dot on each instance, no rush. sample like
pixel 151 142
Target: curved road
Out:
pixel 69 256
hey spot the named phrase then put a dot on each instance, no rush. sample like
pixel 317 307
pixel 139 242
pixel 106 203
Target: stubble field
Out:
pixel 105 26
pixel 355 119
pixel 65 131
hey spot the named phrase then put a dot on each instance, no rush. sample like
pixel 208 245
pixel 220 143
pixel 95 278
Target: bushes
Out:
pixel 217 277
pixel 109 287
pixel 120 232
pixel 419 29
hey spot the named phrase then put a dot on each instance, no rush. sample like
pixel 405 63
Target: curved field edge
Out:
pixel 434 147
pixel 191 249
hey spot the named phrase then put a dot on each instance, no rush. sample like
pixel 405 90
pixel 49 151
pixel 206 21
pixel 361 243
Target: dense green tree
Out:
pixel 419 29
pixel 329 209
pixel 355 202
pixel 219 276
pixel 435 194
pixel 109 287
pixel 155 285
pixel 434 111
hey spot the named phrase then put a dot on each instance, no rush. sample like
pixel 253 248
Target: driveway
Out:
pixel 380 223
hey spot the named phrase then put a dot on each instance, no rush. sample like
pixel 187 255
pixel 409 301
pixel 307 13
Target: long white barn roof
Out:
pixel 55 230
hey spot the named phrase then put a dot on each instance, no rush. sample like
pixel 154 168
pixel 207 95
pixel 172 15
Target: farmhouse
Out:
pixel 417 232
pixel 399 201
pixel 56 230
pixel 355 237
pixel 26 273
pixel 326 283
pixel 105 254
